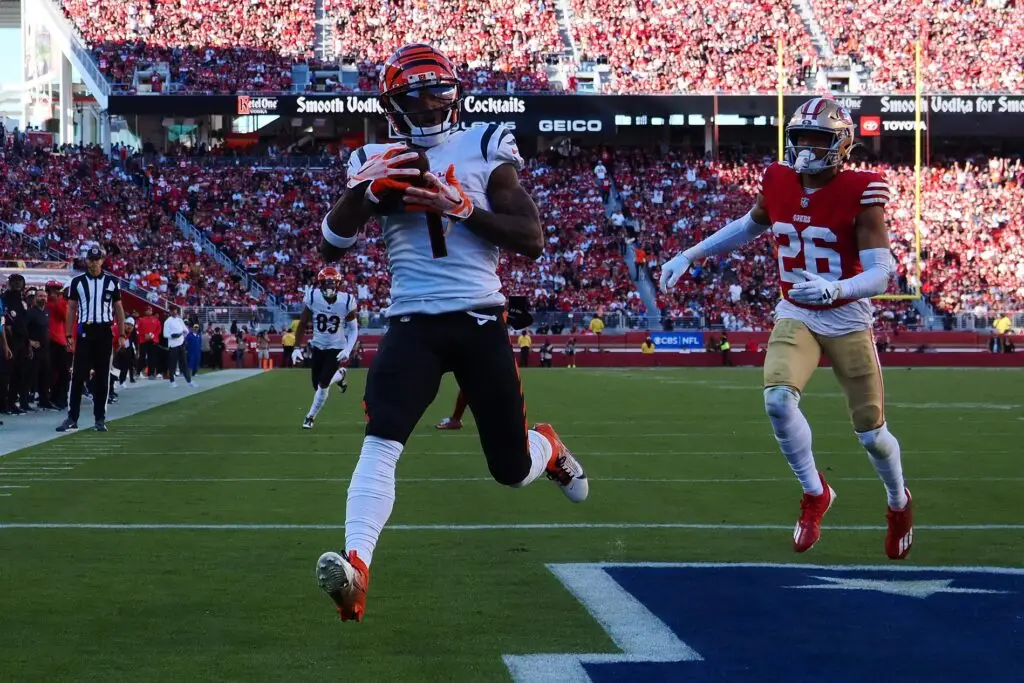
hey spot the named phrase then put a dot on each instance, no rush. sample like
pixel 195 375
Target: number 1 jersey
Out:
pixel 329 317
pixel 467 277
pixel 816 232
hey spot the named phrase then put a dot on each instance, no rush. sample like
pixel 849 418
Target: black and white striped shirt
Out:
pixel 95 297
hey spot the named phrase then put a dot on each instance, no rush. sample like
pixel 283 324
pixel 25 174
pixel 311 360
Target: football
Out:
pixel 391 202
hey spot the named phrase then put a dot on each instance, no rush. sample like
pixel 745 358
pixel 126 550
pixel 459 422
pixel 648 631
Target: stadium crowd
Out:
pixel 69 200
pixel 967 46
pixel 668 46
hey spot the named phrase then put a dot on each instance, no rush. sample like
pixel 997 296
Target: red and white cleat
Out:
pixel 563 468
pixel 812 510
pixel 346 581
pixel 900 535
pixel 449 423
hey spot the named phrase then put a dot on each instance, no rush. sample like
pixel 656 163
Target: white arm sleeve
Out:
pixel 732 236
pixel 351 335
pixel 875 278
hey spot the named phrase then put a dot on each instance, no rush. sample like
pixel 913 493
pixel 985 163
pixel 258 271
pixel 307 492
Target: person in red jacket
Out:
pixel 149 329
pixel 60 358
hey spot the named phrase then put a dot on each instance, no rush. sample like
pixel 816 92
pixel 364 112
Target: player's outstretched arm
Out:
pixel 514 221
pixel 732 236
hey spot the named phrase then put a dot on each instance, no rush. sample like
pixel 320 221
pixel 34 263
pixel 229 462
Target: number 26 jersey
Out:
pixel 329 317
pixel 816 232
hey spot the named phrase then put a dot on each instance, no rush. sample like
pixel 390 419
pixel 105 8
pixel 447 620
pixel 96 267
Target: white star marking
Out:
pixel 911 589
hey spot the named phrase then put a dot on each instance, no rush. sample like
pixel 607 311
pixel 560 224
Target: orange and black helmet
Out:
pixel 328 280
pixel 421 94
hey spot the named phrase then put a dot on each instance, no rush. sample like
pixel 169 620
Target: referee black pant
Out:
pixel 93 349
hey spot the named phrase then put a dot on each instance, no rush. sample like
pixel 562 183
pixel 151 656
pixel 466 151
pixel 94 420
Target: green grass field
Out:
pixel 684 447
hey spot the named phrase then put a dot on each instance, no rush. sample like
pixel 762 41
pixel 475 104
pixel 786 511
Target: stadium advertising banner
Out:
pixel 688 341
pixel 945 115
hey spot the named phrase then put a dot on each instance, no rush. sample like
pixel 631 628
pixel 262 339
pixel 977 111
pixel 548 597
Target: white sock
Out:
pixel 884 453
pixel 338 376
pixel 319 399
pixel 371 495
pixel 782 404
pixel 540 454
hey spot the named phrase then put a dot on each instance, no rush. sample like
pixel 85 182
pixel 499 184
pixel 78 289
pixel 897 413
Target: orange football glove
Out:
pixel 381 171
pixel 444 196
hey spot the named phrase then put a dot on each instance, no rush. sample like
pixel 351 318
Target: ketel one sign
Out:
pixel 248 105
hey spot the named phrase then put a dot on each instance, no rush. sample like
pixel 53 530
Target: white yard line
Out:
pixel 553 526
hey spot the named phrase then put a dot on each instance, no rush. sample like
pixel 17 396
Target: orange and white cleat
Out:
pixel 345 580
pixel 812 510
pixel 900 535
pixel 563 468
pixel 449 423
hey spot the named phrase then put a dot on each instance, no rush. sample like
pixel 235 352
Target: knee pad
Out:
pixel 780 401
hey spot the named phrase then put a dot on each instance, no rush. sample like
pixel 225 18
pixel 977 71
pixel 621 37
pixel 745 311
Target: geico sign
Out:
pixel 901 126
pixel 571 126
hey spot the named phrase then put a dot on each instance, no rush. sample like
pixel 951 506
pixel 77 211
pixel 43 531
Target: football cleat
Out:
pixel 812 510
pixel 345 580
pixel 100 426
pixel 449 423
pixel 343 383
pixel 307 423
pixel 900 534
pixel 563 468
pixel 68 425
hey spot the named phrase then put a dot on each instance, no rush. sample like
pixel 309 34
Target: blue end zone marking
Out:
pixel 759 623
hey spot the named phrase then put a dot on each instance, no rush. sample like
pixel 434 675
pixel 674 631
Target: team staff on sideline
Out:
pixel 95 303
pixel 175 330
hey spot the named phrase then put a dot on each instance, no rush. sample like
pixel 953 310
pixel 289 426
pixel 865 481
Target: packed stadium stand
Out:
pixel 264 219
pixel 968 45
pixel 214 46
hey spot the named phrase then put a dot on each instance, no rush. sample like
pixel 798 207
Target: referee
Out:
pixel 94 303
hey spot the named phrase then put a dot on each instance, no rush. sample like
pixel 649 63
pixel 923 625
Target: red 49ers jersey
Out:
pixel 815 232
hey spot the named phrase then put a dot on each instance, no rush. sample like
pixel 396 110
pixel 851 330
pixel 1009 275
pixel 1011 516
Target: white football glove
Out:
pixel 342 356
pixel 297 357
pixel 816 290
pixel 381 171
pixel 674 269
pixel 443 195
